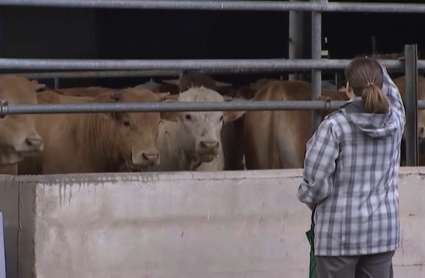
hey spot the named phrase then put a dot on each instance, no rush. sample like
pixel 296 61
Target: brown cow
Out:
pixel 97 142
pixel 18 136
pixel 277 139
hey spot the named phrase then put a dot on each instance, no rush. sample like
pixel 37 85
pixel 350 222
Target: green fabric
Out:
pixel 310 237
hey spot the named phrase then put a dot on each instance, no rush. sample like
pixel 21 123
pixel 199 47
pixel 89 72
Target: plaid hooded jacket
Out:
pixel 351 172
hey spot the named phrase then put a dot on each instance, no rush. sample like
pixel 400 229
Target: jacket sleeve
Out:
pixel 319 164
pixel 392 93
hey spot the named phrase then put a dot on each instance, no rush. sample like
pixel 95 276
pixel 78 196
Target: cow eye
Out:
pixel 126 123
pixel 188 117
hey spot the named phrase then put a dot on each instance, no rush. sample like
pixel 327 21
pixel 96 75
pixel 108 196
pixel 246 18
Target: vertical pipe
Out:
pixel 411 59
pixel 316 53
pixel 296 35
pixel 56 83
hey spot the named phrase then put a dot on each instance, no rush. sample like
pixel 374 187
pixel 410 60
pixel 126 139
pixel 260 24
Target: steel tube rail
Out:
pixel 223 5
pixel 277 64
pixel 8 109
pixel 97 74
pixel 316 54
pixel 411 105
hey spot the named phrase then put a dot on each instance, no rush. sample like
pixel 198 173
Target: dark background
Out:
pixel 31 32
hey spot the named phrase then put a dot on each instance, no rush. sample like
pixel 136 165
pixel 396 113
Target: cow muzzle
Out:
pixel 31 145
pixel 146 159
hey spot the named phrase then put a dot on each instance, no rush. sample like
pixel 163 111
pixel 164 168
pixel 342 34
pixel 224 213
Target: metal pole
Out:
pixel 411 80
pixel 224 5
pixel 76 108
pixel 6 109
pixel 231 64
pixel 316 53
pixel 57 83
pixel 296 35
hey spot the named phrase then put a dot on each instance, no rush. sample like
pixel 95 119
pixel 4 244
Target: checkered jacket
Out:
pixel 351 173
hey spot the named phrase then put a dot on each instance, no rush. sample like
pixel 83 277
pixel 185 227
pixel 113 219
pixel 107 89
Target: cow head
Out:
pixel 199 132
pixel 134 134
pixel 18 136
pixel 196 80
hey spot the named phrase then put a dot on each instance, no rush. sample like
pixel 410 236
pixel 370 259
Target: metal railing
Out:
pixel 316 65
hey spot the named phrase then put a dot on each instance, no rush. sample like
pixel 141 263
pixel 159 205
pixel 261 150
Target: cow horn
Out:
pixel 227 98
pixel 222 84
pixel 116 96
pixel 172 81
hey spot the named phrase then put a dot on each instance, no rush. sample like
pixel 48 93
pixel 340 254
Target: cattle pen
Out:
pixel 188 224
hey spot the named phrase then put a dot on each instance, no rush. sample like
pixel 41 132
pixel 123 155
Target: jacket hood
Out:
pixel 374 125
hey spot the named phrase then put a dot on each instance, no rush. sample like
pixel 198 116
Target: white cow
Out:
pixel 190 141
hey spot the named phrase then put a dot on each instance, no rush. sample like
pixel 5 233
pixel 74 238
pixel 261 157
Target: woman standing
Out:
pixel 350 177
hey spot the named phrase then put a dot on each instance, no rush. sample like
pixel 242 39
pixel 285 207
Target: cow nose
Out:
pixel 152 157
pixel 34 142
pixel 421 132
pixel 210 145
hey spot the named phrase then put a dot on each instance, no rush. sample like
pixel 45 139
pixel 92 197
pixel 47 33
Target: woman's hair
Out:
pixel 366 78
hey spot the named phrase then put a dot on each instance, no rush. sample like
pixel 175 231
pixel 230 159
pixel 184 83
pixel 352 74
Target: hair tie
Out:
pixel 370 84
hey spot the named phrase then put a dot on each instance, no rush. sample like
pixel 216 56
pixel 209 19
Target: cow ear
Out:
pixel 37 86
pixel 232 115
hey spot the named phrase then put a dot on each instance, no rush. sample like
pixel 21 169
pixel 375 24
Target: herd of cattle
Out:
pixel 166 141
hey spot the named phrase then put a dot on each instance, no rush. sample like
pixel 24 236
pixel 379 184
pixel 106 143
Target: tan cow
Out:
pixel 97 142
pixel 400 82
pixel 191 140
pixel 277 139
pixel 18 136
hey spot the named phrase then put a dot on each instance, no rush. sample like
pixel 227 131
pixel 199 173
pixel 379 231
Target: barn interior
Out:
pixel 77 33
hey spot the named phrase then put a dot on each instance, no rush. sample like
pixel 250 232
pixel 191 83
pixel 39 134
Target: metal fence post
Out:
pixel 411 55
pixel 316 53
pixel 296 36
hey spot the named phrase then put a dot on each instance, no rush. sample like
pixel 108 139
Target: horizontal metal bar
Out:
pixel 177 106
pixel 277 64
pixel 97 74
pixel 127 73
pixel 224 5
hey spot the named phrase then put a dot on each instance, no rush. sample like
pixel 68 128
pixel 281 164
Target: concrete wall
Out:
pixel 233 224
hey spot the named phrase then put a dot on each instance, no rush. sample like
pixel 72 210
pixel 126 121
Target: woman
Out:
pixel 350 177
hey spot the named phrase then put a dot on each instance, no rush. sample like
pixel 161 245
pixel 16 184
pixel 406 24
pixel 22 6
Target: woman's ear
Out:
pixel 349 91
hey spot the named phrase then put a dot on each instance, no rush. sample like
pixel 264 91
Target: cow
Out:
pixel 19 138
pixel 97 142
pixel 232 132
pixel 277 139
pixel 400 82
pixel 191 141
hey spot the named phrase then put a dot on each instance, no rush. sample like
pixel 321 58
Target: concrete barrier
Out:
pixel 224 224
